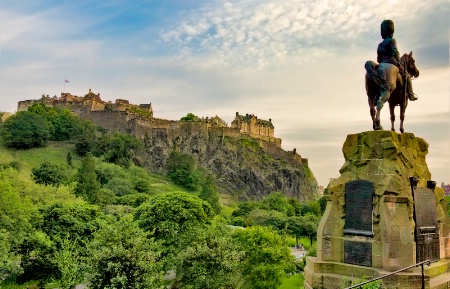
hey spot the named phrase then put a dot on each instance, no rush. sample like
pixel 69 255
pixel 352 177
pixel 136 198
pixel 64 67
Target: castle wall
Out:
pixel 5 115
pixel 110 120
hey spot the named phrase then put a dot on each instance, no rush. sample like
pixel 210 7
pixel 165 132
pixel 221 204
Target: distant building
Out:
pixel 446 189
pixel 4 116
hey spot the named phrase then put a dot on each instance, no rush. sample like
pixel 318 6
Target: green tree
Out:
pixel 267 259
pixel 121 149
pixel 311 222
pixel 43 250
pixel 277 201
pixel 296 227
pixel 69 159
pixel 25 130
pixel 85 139
pixel 63 122
pixel 274 219
pixel 49 174
pixel 9 261
pixel 121 256
pixel 212 260
pixel 88 186
pixel 209 193
pixel 70 265
pixel 181 169
pixel 173 218
pixel 190 117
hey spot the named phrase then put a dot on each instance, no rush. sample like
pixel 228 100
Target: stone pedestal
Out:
pixel 370 226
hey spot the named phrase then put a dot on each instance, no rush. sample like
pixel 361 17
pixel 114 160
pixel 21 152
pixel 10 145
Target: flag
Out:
pixel 65 80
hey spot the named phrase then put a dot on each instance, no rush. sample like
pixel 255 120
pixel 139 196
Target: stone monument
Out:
pixel 383 214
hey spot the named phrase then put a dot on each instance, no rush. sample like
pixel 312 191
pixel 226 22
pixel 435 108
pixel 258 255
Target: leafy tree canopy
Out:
pixel 49 174
pixel 267 258
pixel 181 169
pixel 25 130
pixel 190 117
pixel 173 218
pixel 121 256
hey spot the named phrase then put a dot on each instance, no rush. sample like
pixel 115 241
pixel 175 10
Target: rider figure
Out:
pixel 387 52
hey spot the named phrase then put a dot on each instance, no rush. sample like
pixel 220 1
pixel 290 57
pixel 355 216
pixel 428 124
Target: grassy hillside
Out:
pixel 56 153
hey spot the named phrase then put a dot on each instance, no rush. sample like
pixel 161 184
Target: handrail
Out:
pixel 395 272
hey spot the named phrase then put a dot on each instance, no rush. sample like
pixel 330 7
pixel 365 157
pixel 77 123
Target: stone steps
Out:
pixel 440 282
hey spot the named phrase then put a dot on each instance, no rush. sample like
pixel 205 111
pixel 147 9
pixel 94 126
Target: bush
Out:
pixel 181 169
pixel 25 130
pixel 49 174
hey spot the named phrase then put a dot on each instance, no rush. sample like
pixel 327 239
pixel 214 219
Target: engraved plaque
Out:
pixel 358 208
pixel 425 207
pixel 427 235
pixel 358 253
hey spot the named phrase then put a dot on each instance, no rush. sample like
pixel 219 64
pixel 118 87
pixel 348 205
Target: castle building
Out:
pixel 83 105
pixel 250 124
pixel 124 117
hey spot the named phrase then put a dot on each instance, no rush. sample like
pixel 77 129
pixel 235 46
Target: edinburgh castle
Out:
pixel 138 120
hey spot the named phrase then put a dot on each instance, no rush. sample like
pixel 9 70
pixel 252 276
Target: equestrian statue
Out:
pixel 390 78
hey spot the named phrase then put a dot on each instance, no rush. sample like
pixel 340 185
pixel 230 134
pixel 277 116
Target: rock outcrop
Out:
pixel 241 165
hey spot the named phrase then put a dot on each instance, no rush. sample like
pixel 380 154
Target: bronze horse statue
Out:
pixel 385 82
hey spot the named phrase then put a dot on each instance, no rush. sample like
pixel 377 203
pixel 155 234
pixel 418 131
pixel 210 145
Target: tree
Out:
pixel 63 122
pixel 9 261
pixel 310 226
pixel 49 174
pixel 277 201
pixel 209 193
pixel 190 117
pixel 121 256
pixel 267 259
pixel 88 186
pixel 274 219
pixel 61 227
pixel 173 218
pixel 296 227
pixel 25 130
pixel 121 149
pixel 181 169
pixel 69 263
pixel 212 260
pixel 85 137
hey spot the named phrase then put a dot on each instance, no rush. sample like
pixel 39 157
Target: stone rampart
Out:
pixel 4 116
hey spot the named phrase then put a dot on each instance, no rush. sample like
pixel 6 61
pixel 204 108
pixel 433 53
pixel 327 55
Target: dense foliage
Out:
pixel 25 130
pixel 92 216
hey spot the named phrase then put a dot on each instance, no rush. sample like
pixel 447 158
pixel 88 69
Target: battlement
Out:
pixel 124 117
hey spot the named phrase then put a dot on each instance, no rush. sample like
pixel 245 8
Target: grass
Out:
pixel 56 153
pixel 293 282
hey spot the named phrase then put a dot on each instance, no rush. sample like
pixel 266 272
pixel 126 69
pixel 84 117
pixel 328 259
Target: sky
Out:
pixel 297 62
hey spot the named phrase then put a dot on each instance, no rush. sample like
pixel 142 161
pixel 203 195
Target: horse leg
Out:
pixel 392 112
pixel 402 117
pixel 377 120
pixel 372 112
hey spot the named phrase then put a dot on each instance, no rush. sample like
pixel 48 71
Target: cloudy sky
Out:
pixel 298 62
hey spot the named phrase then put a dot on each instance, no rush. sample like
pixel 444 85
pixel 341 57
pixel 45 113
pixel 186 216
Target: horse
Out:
pixel 385 82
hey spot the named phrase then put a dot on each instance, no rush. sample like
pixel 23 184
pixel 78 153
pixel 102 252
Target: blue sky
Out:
pixel 298 62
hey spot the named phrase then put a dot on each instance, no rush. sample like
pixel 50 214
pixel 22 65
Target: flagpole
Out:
pixel 64 91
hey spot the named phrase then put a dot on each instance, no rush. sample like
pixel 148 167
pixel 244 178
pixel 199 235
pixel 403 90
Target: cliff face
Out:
pixel 240 164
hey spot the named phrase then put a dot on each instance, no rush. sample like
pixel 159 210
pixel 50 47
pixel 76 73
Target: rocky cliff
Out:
pixel 241 165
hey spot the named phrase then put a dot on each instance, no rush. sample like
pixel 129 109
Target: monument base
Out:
pixel 383 214
pixel 334 275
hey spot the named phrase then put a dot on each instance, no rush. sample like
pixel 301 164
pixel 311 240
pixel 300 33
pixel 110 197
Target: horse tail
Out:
pixel 373 75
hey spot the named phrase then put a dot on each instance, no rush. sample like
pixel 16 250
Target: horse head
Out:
pixel 410 64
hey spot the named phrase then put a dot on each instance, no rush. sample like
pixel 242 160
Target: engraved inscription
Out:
pixel 358 208
pixel 358 253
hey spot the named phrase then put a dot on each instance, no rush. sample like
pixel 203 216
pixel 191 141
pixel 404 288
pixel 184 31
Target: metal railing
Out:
pixel 428 262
